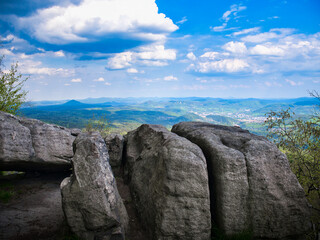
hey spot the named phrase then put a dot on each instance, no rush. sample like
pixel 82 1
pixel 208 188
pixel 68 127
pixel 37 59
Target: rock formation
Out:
pixel 115 148
pixel 251 184
pixel 30 145
pixel 252 187
pixel 90 199
pixel 169 184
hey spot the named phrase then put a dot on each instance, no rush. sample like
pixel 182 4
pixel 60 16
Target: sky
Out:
pixel 76 49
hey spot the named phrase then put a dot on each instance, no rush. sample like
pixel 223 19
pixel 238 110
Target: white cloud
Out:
pixel 151 55
pixel 271 84
pixel 93 19
pixel 182 21
pixel 67 84
pixel 4 51
pixel 170 78
pixel 76 80
pixel 234 10
pixel 153 63
pixel 235 47
pixel 120 60
pixel 275 33
pixel 156 52
pixel 59 54
pixel 210 55
pixel 267 50
pixel 194 87
pixel 293 83
pixel 35 67
pixel 191 56
pixel 227 16
pixel 100 79
pixel 246 31
pixel 132 70
pixel 107 84
pixel 219 28
pixel 225 65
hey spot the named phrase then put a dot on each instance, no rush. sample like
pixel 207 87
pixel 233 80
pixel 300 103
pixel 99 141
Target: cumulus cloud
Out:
pixel 235 47
pixel 132 70
pixel 76 80
pixel 267 50
pixel 210 55
pixel 4 51
pixel 191 56
pixel 94 21
pixel 120 61
pixel 152 55
pixel 35 67
pixel 59 54
pixel 100 79
pixel 225 65
pixel 156 52
pixel 170 78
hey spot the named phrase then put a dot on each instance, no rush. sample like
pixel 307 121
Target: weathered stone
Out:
pixel 169 184
pixel 92 205
pixel 114 144
pixel 30 145
pixel 251 184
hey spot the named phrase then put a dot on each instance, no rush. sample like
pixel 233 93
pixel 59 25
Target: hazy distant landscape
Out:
pixel 125 114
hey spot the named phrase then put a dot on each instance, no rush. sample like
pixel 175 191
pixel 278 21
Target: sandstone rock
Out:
pixel 30 145
pixel 92 205
pixel 114 144
pixel 251 184
pixel 169 184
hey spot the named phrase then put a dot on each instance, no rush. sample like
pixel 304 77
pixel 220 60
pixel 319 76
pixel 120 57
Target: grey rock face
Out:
pixel 251 184
pixel 169 184
pixel 29 145
pixel 91 203
pixel 114 144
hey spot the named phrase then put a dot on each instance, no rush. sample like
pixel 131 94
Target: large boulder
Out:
pixel 31 145
pixel 115 148
pixel 252 187
pixel 91 203
pixel 168 180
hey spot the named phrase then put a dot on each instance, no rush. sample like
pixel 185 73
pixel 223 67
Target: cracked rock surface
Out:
pixel 168 180
pixel 32 145
pixel 90 200
pixel 251 184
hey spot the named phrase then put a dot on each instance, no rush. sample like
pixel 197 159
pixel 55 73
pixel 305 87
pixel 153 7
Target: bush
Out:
pixel 300 141
pixel 12 96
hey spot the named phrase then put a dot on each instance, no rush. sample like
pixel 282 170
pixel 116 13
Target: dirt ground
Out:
pixel 34 210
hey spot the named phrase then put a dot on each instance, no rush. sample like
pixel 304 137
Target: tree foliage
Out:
pixel 100 125
pixel 12 95
pixel 300 140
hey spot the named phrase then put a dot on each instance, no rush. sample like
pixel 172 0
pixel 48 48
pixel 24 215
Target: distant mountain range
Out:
pixel 124 114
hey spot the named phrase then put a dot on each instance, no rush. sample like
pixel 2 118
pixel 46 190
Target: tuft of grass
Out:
pixel 6 192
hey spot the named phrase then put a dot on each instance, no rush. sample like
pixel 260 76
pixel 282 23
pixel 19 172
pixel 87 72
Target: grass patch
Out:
pixel 6 192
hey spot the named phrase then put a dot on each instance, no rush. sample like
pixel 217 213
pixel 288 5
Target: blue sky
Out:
pixel 75 49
